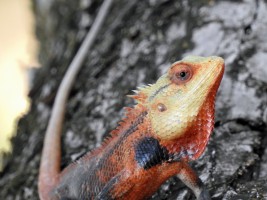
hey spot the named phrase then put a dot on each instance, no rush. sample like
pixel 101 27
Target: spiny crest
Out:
pixel 124 123
pixel 131 114
pixel 142 93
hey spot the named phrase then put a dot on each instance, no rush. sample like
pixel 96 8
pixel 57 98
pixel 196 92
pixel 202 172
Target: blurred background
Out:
pixel 138 42
pixel 18 51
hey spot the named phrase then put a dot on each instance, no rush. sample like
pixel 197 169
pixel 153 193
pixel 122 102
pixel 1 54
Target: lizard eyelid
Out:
pixel 181 75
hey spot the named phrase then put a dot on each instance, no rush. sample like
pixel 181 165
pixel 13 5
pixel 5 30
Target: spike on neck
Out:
pixel 142 94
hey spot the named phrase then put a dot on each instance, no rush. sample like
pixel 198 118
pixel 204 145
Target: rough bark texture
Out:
pixel 138 42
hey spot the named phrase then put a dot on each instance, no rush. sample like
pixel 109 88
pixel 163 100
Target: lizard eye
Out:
pixel 182 74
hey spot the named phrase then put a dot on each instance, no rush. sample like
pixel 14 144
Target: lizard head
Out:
pixel 183 96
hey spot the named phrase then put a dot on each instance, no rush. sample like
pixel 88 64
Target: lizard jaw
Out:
pixel 184 101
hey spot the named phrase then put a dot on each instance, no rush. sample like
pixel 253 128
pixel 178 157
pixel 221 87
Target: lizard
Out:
pixel 169 126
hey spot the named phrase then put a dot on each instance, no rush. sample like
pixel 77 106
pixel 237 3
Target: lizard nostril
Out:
pixel 161 107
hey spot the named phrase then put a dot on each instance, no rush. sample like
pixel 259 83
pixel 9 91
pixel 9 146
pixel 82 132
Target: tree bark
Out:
pixel 138 42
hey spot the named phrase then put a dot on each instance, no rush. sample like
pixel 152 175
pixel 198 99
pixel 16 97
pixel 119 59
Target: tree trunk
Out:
pixel 138 42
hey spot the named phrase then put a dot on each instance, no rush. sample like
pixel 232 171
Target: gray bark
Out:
pixel 138 42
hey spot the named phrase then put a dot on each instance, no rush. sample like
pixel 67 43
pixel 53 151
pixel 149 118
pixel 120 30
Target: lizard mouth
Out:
pixel 218 71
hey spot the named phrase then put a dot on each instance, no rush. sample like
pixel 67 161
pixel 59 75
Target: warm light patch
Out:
pixel 17 53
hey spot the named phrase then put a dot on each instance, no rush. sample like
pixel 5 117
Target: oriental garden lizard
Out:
pixel 169 126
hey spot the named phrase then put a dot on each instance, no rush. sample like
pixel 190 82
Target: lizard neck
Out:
pixel 192 143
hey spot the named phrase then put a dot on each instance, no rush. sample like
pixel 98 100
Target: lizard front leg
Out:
pixel 188 176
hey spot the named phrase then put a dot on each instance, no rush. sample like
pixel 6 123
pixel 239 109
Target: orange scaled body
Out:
pixel 169 126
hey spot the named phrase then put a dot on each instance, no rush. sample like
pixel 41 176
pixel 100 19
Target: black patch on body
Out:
pixel 148 153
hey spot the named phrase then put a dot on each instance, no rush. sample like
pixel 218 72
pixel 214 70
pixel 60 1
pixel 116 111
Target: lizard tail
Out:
pixel 51 154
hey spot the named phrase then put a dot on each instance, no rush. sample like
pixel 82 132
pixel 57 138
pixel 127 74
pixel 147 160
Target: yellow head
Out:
pixel 175 101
